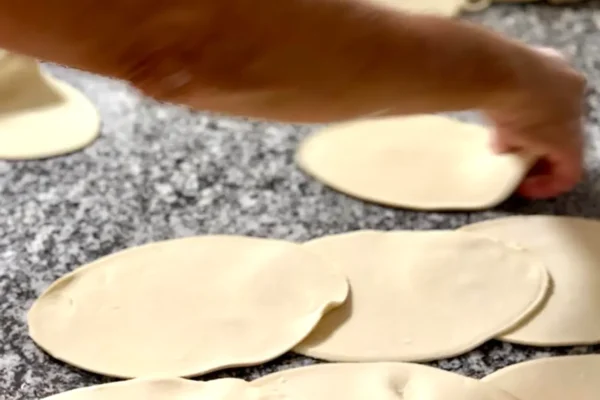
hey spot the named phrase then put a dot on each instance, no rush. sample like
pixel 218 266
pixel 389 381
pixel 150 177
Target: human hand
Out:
pixel 544 119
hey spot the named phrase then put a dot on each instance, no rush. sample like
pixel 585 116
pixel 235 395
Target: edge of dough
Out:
pixel 73 92
pixel 528 312
pixel 507 336
pixel 72 96
pixel 173 386
pixel 405 380
pixel 86 389
pixel 311 320
pixel 543 360
pixel 304 147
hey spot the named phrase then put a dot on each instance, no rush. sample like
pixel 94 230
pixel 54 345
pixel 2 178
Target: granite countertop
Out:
pixel 162 172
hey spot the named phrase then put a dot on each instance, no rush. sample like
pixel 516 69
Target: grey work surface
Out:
pixel 161 172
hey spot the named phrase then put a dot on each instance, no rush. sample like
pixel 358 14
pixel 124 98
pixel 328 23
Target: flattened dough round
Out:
pixel 443 8
pixel 414 292
pixel 377 381
pixel 570 250
pixel 424 162
pixel 166 389
pixel 556 378
pixel 41 116
pixel 186 307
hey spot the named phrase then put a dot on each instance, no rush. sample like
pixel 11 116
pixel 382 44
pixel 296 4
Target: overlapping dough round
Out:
pixel 41 116
pixel 377 381
pixel 570 249
pixel 186 307
pixel 422 295
pixel 423 162
pixel 166 389
pixel 556 378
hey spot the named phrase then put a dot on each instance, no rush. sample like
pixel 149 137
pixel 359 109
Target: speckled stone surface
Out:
pixel 162 172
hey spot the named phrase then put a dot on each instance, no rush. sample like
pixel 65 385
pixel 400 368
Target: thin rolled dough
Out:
pixel 570 249
pixel 556 378
pixel 377 381
pixel 168 389
pixel 424 162
pixel 186 307
pixel 41 116
pixel 414 292
pixel 443 8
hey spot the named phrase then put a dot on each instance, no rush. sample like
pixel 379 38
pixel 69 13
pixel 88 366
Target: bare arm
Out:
pixel 299 60
pixel 316 61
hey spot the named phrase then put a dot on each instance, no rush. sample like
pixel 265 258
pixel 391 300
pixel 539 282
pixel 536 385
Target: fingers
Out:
pixel 546 124
pixel 552 175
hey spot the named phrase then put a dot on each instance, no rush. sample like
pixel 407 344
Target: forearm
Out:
pixel 300 60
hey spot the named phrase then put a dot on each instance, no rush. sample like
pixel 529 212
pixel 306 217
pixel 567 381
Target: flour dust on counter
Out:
pixel 412 293
pixel 177 308
pixel 41 116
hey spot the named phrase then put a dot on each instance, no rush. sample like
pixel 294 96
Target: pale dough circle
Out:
pixel 166 389
pixel 423 162
pixel 186 307
pixel 570 249
pixel 442 8
pixel 412 293
pixel 377 381
pixel 476 5
pixel 556 378
pixel 41 116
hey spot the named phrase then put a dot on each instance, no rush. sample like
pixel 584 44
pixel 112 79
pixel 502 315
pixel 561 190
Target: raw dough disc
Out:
pixel 414 292
pixel 443 8
pixel 41 116
pixel 186 307
pixel 557 378
pixel 424 162
pixel 476 5
pixel 167 389
pixel 377 381
pixel 570 249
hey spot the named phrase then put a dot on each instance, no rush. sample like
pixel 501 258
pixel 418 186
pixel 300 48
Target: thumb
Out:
pixel 500 143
